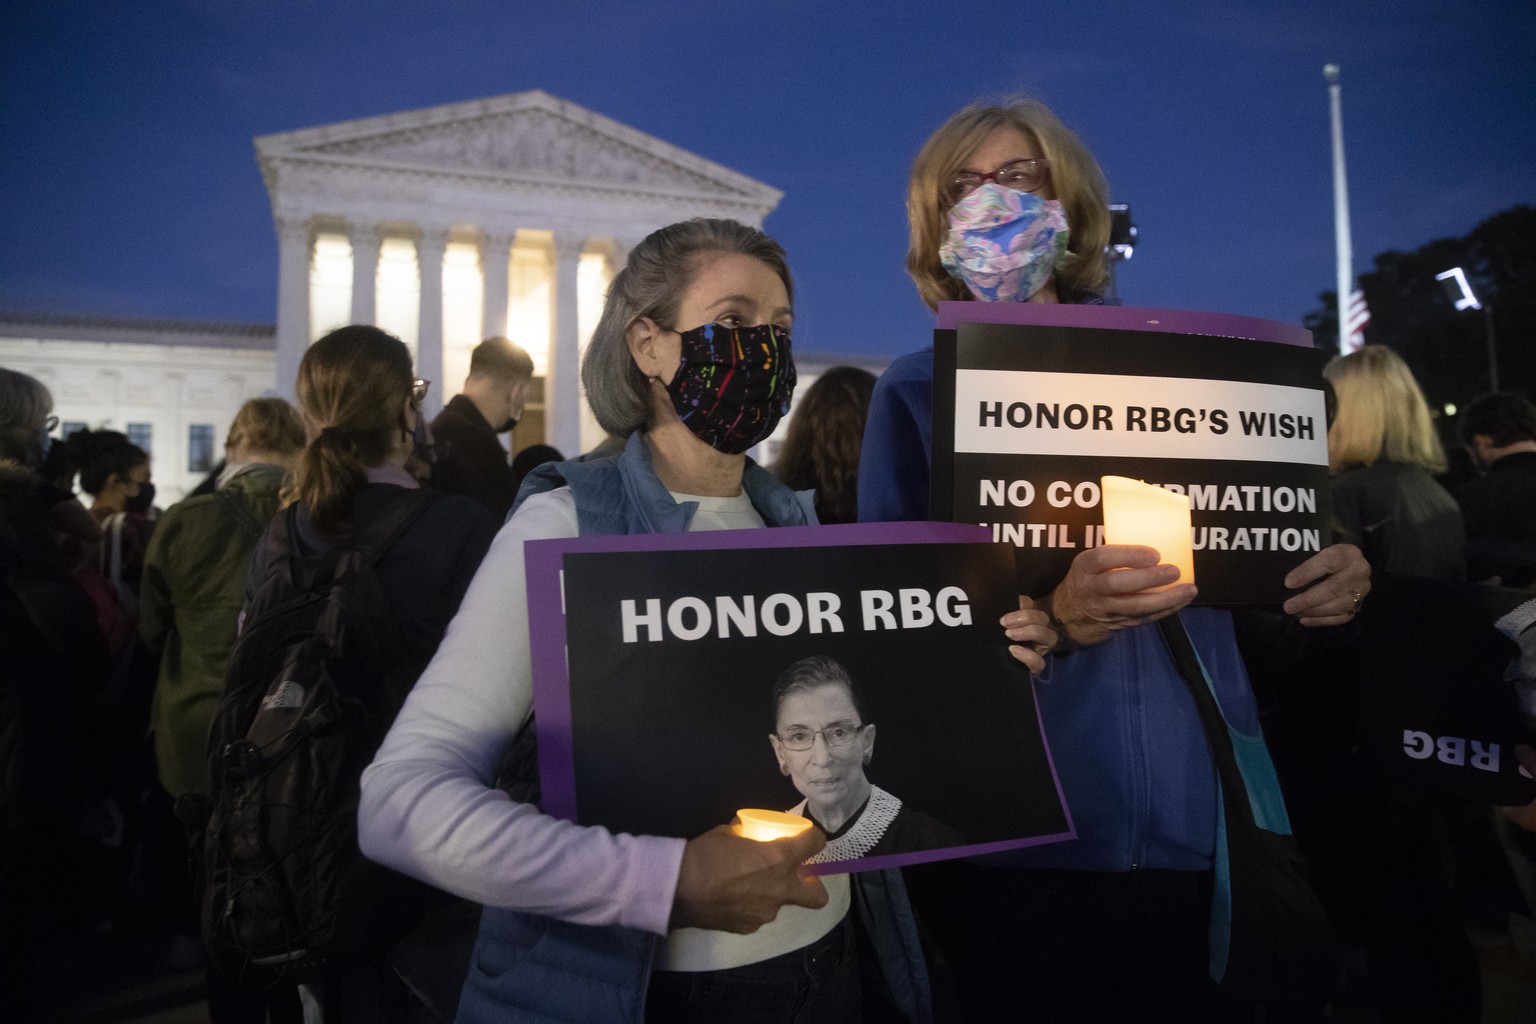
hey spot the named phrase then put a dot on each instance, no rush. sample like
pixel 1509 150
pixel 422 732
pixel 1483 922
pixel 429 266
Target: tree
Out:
pixel 1446 349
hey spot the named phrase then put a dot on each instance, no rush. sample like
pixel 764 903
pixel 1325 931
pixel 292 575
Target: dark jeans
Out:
pixel 1069 946
pixel 815 985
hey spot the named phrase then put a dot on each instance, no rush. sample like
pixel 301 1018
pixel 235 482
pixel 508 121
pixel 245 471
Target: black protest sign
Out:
pixel 1437 699
pixel 1028 417
pixel 655 658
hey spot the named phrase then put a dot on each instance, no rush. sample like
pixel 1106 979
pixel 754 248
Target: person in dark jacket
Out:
pixel 470 459
pixel 361 406
pixel 52 663
pixel 1383 454
pixel 1499 507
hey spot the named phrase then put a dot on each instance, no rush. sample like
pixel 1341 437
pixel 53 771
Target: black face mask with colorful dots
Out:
pixel 733 385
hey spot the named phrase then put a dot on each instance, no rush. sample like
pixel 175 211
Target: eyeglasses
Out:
pixel 837 737
pixel 1019 175
pixel 419 388
pixel 50 424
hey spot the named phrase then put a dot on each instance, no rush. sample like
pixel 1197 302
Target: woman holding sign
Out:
pixel 1006 204
pixel 581 923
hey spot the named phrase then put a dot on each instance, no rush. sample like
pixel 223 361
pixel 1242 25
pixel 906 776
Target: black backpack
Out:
pixel 316 678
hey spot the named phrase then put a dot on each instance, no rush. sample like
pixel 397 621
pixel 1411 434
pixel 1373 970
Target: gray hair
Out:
pixel 809 674
pixel 25 403
pixel 651 284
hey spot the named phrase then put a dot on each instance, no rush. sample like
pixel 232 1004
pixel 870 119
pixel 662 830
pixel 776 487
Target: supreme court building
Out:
pixel 443 226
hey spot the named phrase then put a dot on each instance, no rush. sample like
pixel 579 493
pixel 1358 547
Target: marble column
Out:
pixel 293 247
pixel 618 254
pixel 429 338
pixel 563 389
pixel 495 255
pixel 365 272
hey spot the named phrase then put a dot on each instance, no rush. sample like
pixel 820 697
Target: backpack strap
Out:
pixel 241 513
pixel 370 544
pixel 110 554
pixel 366 546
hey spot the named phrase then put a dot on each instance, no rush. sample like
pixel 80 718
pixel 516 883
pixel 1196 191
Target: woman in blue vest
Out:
pixel 1006 204
pixel 582 924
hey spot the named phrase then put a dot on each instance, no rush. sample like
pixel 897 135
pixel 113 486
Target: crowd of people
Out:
pixel 120 623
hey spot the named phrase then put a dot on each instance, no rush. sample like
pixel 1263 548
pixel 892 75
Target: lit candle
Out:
pixel 1138 513
pixel 765 826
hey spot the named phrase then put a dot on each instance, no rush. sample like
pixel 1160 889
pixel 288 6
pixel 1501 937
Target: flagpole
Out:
pixel 1344 256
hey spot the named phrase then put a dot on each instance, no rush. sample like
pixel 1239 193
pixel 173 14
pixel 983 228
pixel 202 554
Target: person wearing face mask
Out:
pixel 115 472
pixel 469 458
pixel 1006 204
pixel 691 362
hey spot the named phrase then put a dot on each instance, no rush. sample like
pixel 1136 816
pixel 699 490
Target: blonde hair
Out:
pixel 266 425
pixel 1079 183
pixel 353 385
pixel 1382 414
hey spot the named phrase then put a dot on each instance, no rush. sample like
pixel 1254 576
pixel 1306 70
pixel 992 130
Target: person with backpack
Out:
pixel 581 924
pixel 191 593
pixel 349 593
pixel 193 586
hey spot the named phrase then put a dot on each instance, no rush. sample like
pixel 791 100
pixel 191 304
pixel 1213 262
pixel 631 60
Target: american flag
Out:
pixel 1355 319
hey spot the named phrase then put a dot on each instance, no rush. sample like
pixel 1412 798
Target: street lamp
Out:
pixel 1122 243
pixel 1460 292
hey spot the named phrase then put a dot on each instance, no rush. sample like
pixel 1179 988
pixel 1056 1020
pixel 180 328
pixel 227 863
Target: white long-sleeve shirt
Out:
pixel 428 805
pixel 429 809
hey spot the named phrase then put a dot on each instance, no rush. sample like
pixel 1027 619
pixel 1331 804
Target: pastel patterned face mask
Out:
pixel 1004 244
pixel 733 385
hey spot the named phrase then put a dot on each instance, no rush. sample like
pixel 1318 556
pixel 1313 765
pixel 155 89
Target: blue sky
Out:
pixel 128 182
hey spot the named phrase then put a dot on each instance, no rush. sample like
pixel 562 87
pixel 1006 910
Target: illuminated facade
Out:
pixel 443 226
pixel 500 216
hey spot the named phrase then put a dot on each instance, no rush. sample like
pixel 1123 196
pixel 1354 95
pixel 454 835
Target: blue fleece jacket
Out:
pixel 1123 731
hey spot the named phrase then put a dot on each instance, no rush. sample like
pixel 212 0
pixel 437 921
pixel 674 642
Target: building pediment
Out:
pixel 530 139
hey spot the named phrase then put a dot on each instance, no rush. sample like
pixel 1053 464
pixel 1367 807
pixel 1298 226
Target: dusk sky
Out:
pixel 130 186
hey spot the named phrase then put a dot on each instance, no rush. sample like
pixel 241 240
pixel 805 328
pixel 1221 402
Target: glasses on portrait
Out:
pixel 837 736
pixel 1019 175
pixel 419 388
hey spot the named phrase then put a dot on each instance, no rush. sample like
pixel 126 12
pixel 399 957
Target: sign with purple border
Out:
pixel 654 658
pixel 1034 402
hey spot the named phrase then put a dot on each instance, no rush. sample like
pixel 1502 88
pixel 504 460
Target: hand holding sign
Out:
pixel 1336 579
pixel 1030 630
pixel 733 884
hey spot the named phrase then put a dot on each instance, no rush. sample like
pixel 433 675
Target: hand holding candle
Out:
pixel 1138 513
pixel 766 826
pixel 728 883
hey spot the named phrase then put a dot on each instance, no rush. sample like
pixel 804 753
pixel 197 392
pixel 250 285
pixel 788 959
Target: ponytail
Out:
pixel 352 386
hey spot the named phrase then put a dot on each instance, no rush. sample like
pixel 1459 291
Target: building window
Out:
pixel 143 435
pixel 199 447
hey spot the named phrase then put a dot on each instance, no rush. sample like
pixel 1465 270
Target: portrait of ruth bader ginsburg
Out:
pixel 824 743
